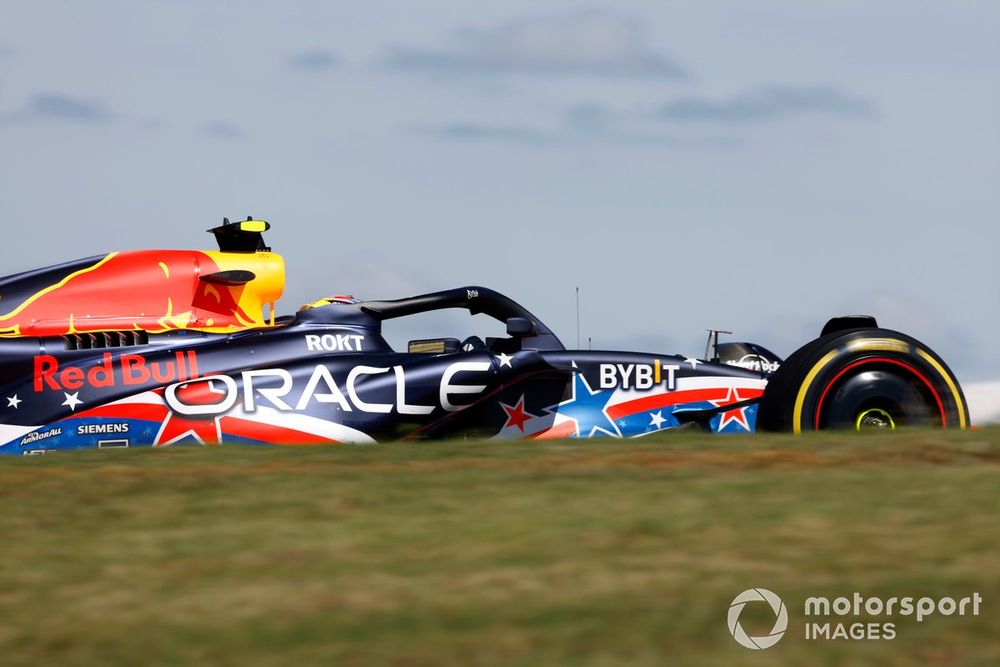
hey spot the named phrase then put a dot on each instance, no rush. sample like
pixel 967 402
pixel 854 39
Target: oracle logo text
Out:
pixel 275 388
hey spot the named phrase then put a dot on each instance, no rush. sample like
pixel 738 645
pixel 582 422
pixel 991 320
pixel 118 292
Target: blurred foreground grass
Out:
pixel 474 553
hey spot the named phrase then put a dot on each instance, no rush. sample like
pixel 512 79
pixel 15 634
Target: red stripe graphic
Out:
pixel 657 401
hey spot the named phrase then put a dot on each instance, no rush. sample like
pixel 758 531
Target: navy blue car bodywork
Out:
pixel 327 375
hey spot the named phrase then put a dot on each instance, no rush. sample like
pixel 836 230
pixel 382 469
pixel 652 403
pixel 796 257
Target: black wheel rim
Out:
pixel 878 398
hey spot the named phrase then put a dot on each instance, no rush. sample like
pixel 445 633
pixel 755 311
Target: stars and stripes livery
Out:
pixel 168 347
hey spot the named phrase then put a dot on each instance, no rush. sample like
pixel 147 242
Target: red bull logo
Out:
pixel 130 370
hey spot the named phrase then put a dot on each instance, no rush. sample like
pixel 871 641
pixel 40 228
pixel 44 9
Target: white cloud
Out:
pixel 315 60
pixel 768 103
pixel 57 107
pixel 592 44
pixel 222 129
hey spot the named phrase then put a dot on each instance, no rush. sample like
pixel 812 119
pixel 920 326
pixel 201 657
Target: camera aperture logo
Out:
pixel 780 622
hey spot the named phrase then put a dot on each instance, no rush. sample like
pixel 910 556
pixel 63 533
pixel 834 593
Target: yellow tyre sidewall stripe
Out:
pixel 962 420
pixel 874 345
pixel 801 398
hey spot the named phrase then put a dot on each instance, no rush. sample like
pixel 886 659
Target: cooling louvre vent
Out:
pixel 102 339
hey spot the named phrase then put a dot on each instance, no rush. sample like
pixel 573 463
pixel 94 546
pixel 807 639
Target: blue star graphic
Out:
pixel 586 408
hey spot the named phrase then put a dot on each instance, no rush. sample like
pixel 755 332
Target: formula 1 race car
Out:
pixel 161 347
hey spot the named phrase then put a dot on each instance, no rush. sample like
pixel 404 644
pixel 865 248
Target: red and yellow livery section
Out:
pixel 147 290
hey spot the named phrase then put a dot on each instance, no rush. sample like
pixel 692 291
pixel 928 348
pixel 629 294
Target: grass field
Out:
pixel 472 553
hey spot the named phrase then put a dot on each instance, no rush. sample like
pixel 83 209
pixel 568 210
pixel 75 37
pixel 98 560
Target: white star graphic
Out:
pixel 72 400
pixel 13 401
pixel 504 359
pixel 657 419
pixel 583 399
pixel 694 362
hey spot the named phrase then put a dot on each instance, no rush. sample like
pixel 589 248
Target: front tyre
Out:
pixel 863 379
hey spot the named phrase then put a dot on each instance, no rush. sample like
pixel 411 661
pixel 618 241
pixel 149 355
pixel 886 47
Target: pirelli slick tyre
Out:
pixel 862 379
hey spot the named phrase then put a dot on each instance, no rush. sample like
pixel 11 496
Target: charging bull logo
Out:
pixel 153 291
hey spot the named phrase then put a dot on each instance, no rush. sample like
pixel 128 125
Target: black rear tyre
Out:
pixel 862 379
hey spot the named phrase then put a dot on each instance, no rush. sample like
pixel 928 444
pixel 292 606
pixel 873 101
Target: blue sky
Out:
pixel 751 166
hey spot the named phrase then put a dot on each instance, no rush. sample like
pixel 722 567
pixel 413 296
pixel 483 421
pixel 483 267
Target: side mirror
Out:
pixel 519 327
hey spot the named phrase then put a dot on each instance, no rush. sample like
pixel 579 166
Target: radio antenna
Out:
pixel 578 317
